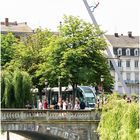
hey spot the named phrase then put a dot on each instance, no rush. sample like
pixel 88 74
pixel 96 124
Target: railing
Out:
pixel 46 115
pixel 131 81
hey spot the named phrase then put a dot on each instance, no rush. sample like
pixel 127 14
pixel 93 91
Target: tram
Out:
pixel 86 94
pixel 83 93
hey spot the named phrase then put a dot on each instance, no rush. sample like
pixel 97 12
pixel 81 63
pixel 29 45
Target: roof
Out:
pixel 17 27
pixel 123 41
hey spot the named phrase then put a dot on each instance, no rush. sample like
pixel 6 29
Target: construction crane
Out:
pixel 109 49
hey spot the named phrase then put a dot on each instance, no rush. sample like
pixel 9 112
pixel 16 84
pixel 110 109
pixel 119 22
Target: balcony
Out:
pixel 131 81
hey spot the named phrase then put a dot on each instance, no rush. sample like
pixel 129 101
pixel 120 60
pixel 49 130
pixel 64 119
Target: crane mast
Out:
pixel 109 49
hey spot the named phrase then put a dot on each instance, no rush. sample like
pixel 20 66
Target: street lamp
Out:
pixel 46 86
pixel 34 92
pixel 102 79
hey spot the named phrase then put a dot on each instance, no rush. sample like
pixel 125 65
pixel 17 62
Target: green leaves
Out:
pixel 75 55
pixel 7 49
pixel 119 120
pixel 15 89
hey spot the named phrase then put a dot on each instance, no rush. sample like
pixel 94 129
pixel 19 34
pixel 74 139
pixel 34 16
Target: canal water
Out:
pixel 27 136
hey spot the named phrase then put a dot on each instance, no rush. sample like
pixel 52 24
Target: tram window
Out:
pixel 79 94
pixel 87 89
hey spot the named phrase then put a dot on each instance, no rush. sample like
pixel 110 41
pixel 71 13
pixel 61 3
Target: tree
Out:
pixel 76 55
pixel 119 120
pixel 15 89
pixel 7 94
pixel 27 55
pixel 7 49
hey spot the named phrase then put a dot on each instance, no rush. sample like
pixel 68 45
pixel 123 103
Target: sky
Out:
pixel 113 16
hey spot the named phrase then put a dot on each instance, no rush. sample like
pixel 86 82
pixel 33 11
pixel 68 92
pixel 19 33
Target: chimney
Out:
pixel 6 22
pixel 129 34
pixel 116 35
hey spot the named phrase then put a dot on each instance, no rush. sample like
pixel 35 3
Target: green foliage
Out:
pixel 134 97
pixel 17 81
pixel 27 55
pixel 7 49
pixel 26 86
pixel 2 89
pixel 15 89
pixel 75 55
pixel 119 120
pixel 6 98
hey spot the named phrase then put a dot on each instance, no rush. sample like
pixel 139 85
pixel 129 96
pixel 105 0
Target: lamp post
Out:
pixel 59 87
pixel 46 86
pixel 102 92
pixel 34 92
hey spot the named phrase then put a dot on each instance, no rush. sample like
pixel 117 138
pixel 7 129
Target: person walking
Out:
pixel 77 105
pixel 39 104
pixel 45 105
pixel 64 105
pixel 82 105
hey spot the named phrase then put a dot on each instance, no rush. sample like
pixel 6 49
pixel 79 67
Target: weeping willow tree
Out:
pixel 119 120
pixel 15 89
pixel 7 93
pixel 26 86
pixel 17 83
pixel 2 89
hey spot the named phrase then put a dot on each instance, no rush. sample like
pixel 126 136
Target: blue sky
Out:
pixel 112 15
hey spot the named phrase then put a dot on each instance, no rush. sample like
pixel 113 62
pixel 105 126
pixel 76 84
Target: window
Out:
pixel 128 63
pixel 128 76
pixel 121 76
pixel 136 77
pixel 136 52
pixel 127 52
pixel 136 63
pixel 119 51
pixel 119 63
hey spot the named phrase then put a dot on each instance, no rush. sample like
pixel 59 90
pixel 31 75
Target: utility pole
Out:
pixel 109 49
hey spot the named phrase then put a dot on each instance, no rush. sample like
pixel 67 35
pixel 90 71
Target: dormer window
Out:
pixel 136 52
pixel 119 51
pixel 128 52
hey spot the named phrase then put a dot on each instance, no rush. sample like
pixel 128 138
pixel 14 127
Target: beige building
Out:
pixel 20 30
pixel 127 48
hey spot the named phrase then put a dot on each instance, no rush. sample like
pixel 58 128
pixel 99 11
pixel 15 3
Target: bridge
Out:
pixel 53 124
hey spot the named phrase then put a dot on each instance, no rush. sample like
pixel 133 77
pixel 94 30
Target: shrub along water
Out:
pixel 119 120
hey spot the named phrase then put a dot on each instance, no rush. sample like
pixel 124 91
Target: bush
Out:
pixel 119 120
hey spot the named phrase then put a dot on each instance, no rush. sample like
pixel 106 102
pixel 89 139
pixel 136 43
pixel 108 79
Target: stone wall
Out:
pixel 71 125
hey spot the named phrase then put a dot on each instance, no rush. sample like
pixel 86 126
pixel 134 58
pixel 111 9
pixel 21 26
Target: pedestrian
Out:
pixel 45 104
pixel 67 102
pixel 39 104
pixel 60 103
pixel 70 106
pixel 64 105
pixel 28 105
pixel 77 105
pixel 56 106
pixel 82 105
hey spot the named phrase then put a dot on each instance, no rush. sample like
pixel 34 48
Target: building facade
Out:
pixel 20 30
pixel 126 50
